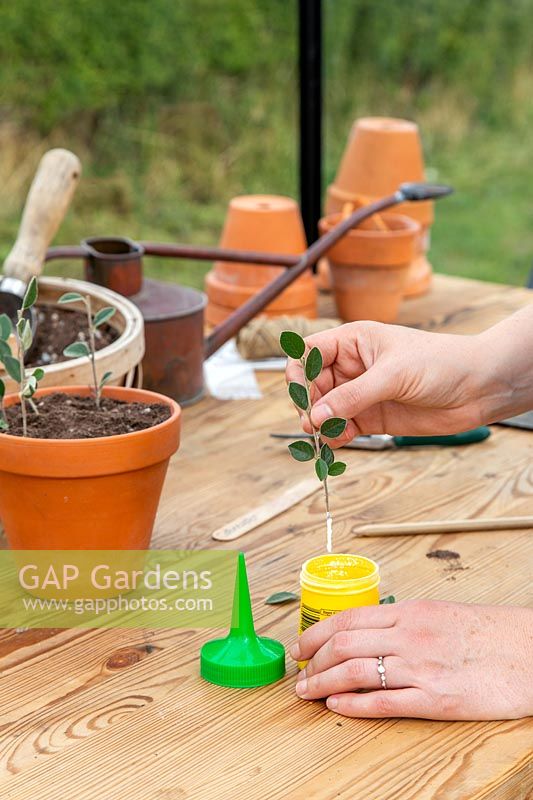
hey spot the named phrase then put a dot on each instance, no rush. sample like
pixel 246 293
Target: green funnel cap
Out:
pixel 243 659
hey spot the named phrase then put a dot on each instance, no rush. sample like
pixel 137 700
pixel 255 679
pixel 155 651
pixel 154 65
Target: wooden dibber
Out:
pixel 47 203
pixel 445 526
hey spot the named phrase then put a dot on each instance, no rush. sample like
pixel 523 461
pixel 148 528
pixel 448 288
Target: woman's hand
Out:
pixel 397 380
pixel 442 661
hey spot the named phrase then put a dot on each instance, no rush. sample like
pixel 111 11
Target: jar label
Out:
pixel 308 616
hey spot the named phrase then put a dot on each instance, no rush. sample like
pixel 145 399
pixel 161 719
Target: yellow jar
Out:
pixel 333 583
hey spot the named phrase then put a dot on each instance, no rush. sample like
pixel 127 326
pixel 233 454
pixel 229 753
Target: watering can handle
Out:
pixel 47 203
pixel 232 325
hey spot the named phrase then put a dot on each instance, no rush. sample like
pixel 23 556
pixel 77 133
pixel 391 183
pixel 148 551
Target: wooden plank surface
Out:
pixel 123 714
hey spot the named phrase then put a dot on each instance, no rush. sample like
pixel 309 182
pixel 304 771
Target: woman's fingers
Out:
pixel 346 645
pixel 384 703
pixel 351 675
pixel 350 399
pixel 318 634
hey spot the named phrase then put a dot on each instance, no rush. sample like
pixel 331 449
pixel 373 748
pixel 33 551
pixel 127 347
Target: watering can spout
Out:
pixel 173 315
pixel 413 192
pixel 406 192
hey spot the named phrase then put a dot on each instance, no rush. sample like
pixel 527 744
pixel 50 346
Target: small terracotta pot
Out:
pixel 265 223
pixel 381 153
pixel 86 494
pixel 369 267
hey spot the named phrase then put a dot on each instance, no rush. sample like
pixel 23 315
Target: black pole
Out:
pixel 310 54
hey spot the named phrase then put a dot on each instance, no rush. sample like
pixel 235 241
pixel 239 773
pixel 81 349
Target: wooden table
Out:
pixel 123 715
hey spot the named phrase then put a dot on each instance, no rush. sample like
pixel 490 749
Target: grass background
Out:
pixel 174 106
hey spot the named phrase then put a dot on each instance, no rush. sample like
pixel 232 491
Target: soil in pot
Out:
pixel 63 416
pixel 57 328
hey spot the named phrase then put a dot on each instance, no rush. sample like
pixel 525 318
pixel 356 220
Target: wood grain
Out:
pixel 272 508
pixel 123 714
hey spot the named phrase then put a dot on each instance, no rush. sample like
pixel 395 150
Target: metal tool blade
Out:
pixel 524 421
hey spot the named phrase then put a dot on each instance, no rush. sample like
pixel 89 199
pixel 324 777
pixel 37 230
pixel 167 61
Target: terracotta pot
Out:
pixel 215 314
pixel 86 494
pixel 369 267
pixel 235 296
pixel 381 153
pixel 268 223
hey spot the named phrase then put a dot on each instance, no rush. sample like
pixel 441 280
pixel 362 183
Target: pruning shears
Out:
pixel 385 441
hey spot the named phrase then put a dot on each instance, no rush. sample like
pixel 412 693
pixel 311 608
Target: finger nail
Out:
pixel 332 703
pixel 295 651
pixel 301 688
pixel 320 413
pixel 302 674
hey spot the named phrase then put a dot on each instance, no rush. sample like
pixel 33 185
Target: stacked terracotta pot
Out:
pixel 382 153
pixel 370 265
pixel 265 223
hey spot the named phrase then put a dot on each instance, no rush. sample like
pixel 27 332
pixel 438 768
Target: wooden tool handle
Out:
pixel 269 510
pixel 445 526
pixel 46 205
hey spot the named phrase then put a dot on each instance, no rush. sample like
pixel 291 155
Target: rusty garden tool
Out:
pixel 174 315
pixel 47 202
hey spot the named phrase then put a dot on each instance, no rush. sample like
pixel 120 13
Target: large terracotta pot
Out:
pixel 86 494
pixel 369 267
pixel 265 223
pixel 381 153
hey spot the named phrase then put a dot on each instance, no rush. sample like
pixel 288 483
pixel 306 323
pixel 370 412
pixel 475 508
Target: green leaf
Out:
pixel 105 378
pixel 70 297
pixel 3 424
pixel 102 316
pixel 386 600
pixel 31 294
pixel 321 469
pixel 5 350
pixel 13 368
pixel 76 349
pixel 30 388
pixel 337 468
pixel 281 597
pixel 326 454
pixel 292 344
pixel 2 389
pixel 298 395
pixel 24 332
pixel 38 373
pixel 301 451
pixel 313 364
pixel 333 427
pixel 6 328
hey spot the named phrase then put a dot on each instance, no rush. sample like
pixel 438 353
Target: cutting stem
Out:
pixel 316 442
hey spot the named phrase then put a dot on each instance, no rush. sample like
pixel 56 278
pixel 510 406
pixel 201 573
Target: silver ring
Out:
pixel 381 670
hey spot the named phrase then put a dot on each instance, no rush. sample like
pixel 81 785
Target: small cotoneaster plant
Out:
pixel 79 349
pixel 321 453
pixel 21 336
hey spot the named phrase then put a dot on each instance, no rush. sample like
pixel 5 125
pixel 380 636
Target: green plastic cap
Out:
pixel 242 659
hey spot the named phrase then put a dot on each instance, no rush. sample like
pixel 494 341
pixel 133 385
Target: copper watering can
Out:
pixel 174 315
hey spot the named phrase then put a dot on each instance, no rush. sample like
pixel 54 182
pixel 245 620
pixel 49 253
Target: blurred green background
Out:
pixel 174 106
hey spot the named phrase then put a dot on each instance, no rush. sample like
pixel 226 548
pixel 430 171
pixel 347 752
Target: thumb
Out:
pixel 352 398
